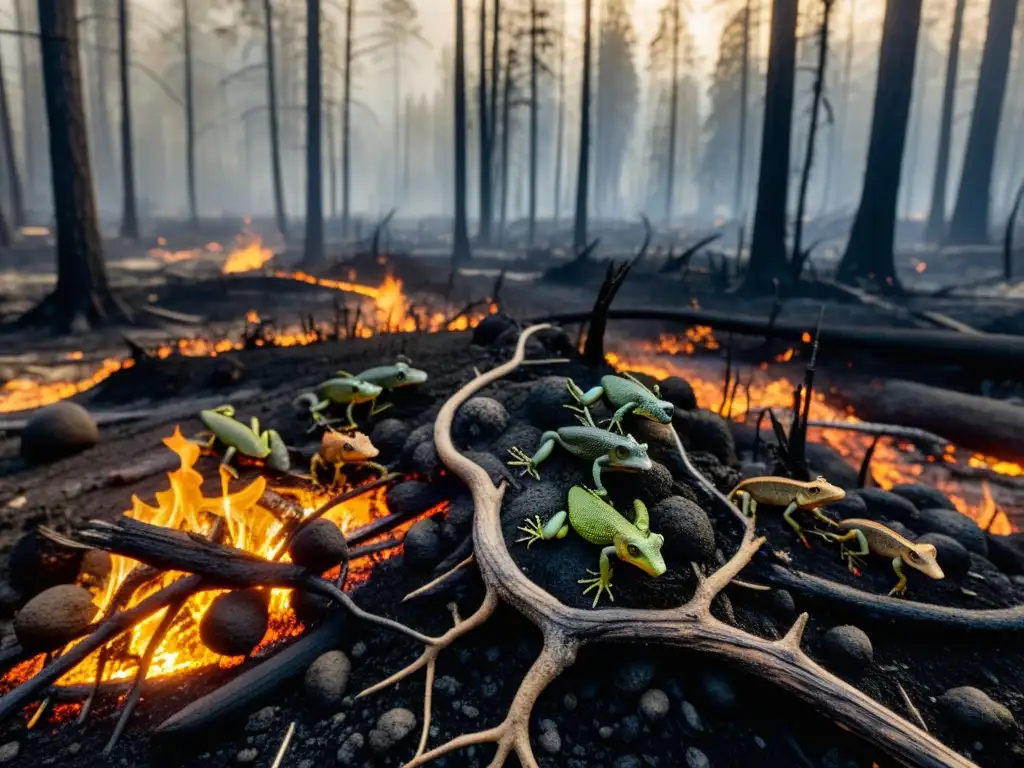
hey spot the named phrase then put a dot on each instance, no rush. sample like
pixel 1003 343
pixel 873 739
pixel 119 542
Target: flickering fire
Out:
pixel 183 505
pixel 890 464
pixel 249 254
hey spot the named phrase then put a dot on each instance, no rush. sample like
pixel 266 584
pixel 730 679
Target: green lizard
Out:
pixel 792 494
pixel 596 521
pixel 606 449
pixel 875 538
pixel 248 440
pixel 341 391
pixel 626 395
pixel 390 377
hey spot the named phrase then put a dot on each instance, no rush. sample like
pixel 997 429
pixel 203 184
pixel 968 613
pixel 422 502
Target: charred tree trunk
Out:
pixel 768 246
pixel 741 143
pixel 314 255
pixel 460 238
pixel 273 116
pixel 493 118
pixel 535 66
pixel 812 135
pixel 11 158
pixel 5 230
pixel 83 295
pixel 935 229
pixel 346 122
pixel 936 226
pixel 673 127
pixel 190 118
pixel 486 127
pixel 506 126
pixel 869 251
pixel 101 118
pixel 969 223
pixel 583 166
pixel 560 122
pixel 129 213
pixel 31 120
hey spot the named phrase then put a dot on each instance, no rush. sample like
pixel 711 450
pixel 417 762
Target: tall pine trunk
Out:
pixel 129 212
pixel 839 129
pixel 10 155
pixel 741 139
pixel 869 251
pixel 583 164
pixel 812 136
pixel 273 116
pixel 82 296
pixel 346 122
pixel 315 255
pixel 560 122
pixel 190 117
pixel 486 129
pixel 768 246
pixel 935 229
pixel 460 237
pixel 101 100
pixel 506 129
pixel 673 118
pixel 969 223
pixel 534 114
pixel 31 121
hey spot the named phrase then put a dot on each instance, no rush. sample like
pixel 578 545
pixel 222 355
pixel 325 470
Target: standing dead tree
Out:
pixel 82 296
pixel 129 212
pixel 460 240
pixel 583 165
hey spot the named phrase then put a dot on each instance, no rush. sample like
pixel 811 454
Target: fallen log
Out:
pixel 985 353
pixel 992 427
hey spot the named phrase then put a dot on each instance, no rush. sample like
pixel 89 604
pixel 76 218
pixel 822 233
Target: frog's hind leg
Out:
pixel 901 585
pixel 602 580
pixel 555 528
pixel 788 517
pixel 583 399
pixel 315 464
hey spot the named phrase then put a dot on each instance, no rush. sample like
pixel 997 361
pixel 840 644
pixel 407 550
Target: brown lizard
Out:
pixel 877 539
pixel 792 494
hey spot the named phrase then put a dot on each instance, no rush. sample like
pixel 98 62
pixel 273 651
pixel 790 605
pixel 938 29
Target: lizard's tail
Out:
pixel 306 400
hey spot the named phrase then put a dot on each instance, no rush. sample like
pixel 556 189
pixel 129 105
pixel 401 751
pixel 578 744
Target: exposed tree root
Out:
pixel 566 629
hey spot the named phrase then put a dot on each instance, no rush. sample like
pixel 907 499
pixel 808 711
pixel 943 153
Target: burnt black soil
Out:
pixel 595 707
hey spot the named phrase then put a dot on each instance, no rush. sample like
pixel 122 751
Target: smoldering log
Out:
pixel 985 353
pixel 992 427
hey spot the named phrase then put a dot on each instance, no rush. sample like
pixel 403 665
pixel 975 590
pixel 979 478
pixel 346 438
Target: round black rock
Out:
pixel 1006 554
pixel 710 433
pixel 525 436
pixel 888 506
pixel 546 400
pixel 425 461
pixel 319 546
pixel 973 711
pixel 457 523
pixel 412 498
pixel 423 544
pixel 686 528
pixel 955 525
pixel 678 392
pixel 953 557
pixel 923 496
pixel 851 506
pixel 650 486
pixel 492 464
pixel 37 563
pixel 235 622
pixel 848 651
pixel 420 434
pixel 491 328
pixel 479 418
pixel 388 436
pixel 58 431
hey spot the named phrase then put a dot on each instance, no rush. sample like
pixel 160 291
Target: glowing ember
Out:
pixel 249 254
pixel 248 526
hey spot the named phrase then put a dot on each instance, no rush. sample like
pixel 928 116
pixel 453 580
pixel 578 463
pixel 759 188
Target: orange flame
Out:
pixel 248 526
pixel 250 254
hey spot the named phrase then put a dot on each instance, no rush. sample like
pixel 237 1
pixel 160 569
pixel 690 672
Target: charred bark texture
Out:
pixel 461 253
pixel 82 296
pixel 583 167
pixel 315 255
pixel 129 214
pixel 13 176
pixel 768 248
pixel 869 252
pixel 486 128
pixel 935 229
pixel 273 118
pixel 970 216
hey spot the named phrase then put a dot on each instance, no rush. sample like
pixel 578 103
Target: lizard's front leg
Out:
pixel 315 464
pixel 529 463
pixel 615 422
pixel 225 462
pixel 600 463
pixel 555 528
pixel 374 409
pixel 901 585
pixel 788 517
pixel 348 415
pixel 602 581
